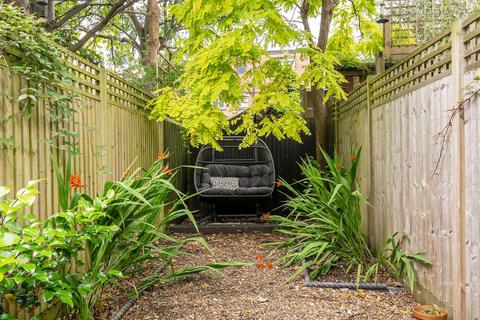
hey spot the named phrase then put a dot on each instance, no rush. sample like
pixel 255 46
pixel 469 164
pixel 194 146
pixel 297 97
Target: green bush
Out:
pixel 120 232
pixel 325 225
pixel 40 261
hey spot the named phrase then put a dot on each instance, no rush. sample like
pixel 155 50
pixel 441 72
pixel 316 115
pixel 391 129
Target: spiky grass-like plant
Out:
pixel 324 225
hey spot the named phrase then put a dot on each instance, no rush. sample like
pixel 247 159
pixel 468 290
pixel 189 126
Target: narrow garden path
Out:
pixel 254 293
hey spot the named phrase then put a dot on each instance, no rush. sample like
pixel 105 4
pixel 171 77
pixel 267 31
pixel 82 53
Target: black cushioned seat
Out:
pixel 253 166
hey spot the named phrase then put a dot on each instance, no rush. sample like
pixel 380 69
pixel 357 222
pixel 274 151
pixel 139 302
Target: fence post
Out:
pixel 108 128
pixel 458 172
pixel 335 123
pixel 371 185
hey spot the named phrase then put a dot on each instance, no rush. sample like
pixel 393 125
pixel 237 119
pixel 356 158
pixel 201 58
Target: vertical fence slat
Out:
pixel 408 105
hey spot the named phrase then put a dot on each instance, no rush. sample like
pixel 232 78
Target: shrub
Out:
pixel 42 263
pixel 39 260
pixel 325 225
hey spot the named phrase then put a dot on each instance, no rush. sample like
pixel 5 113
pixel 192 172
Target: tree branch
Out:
pixel 443 135
pixel 132 39
pixel 113 38
pixel 358 17
pixel 304 7
pixel 54 24
pixel 118 7
pixel 325 22
pixel 140 30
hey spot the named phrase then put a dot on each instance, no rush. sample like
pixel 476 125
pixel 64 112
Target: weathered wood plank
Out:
pixel 440 212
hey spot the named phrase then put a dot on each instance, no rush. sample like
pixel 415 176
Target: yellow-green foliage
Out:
pixel 223 35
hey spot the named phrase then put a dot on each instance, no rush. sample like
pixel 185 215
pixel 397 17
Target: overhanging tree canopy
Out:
pixel 227 34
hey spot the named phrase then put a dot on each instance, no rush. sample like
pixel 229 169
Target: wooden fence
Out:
pixel 397 117
pixel 112 124
pixel 180 157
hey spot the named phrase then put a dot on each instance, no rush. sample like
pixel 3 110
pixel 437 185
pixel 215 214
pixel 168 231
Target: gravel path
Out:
pixel 253 293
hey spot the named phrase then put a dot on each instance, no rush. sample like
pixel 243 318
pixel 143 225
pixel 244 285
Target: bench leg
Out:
pixel 214 212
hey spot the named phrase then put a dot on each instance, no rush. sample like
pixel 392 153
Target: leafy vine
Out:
pixel 28 52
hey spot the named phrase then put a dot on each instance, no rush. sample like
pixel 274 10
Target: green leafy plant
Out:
pixel 67 181
pixel 433 310
pixel 227 57
pixel 139 209
pixel 119 233
pixel 325 225
pixel 40 262
pixel 398 262
pixel 28 51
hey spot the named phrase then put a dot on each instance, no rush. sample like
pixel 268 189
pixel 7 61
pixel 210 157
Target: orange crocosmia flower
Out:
pixel 261 265
pixel 167 171
pixel 72 181
pixel 75 181
pixel 353 158
pixel 338 165
pixel 266 215
pixel 279 184
pixel 259 257
pixel 78 180
pixel 162 155
pixel 270 265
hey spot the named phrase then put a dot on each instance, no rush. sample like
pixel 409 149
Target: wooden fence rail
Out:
pixel 397 117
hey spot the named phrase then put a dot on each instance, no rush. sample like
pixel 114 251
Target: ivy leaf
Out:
pixel 27 196
pixel 84 288
pixel 18 278
pixel 47 252
pixel 41 275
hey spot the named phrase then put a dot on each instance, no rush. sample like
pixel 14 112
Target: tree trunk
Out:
pixel 315 102
pixel 53 24
pixel 316 95
pixel 153 12
pixel 51 11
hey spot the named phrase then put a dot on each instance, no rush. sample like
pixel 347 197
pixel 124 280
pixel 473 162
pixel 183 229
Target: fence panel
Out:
pixel 421 181
pixel 471 40
pixel 180 156
pixel 112 126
